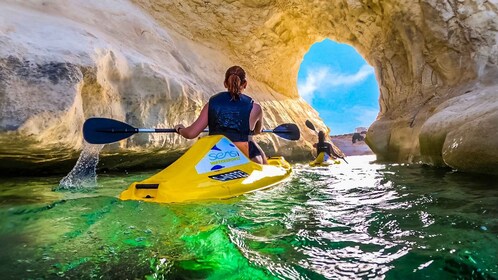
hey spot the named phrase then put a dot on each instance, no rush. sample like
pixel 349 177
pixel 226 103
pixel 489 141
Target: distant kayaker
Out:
pixel 323 146
pixel 232 114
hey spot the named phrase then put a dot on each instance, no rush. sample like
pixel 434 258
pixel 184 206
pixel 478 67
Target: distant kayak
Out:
pixel 323 160
pixel 213 168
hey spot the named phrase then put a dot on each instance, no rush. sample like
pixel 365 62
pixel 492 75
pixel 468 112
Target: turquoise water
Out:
pixel 348 221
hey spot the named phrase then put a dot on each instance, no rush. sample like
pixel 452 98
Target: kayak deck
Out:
pixel 213 168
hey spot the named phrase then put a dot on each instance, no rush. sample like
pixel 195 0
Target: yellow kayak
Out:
pixel 213 168
pixel 323 160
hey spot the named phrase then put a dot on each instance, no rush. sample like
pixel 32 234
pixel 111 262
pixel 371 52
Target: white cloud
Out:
pixel 326 77
pixel 346 80
pixel 313 81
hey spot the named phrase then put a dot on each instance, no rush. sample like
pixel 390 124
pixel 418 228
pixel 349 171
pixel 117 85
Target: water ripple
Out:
pixel 349 221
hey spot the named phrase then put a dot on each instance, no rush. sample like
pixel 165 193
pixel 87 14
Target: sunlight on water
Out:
pixel 83 174
pixel 347 221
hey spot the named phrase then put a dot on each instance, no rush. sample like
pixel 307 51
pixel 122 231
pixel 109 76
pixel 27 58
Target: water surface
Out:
pixel 350 221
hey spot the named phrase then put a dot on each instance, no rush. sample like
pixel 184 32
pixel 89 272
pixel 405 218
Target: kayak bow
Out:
pixel 213 168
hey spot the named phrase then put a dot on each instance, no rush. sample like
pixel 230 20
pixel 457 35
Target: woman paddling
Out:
pixel 231 114
pixel 323 146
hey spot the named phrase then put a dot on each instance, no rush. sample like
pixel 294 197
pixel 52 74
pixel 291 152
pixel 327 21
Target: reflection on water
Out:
pixel 348 221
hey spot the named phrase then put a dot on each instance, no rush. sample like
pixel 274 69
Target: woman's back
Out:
pixel 230 117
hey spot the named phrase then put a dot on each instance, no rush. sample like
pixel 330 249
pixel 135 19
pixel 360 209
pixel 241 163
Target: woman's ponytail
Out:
pixel 233 85
pixel 235 77
pixel 321 137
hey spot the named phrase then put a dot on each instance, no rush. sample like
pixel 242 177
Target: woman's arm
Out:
pixel 196 127
pixel 256 119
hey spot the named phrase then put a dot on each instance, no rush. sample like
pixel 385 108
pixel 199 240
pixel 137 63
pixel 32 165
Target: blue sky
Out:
pixel 340 85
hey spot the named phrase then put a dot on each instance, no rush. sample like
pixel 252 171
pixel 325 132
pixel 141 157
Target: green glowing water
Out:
pixel 347 221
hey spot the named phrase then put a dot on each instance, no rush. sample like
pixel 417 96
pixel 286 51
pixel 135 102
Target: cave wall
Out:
pixel 155 63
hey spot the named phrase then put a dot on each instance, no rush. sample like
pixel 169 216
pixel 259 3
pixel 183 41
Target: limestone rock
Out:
pixel 155 63
pixel 463 132
pixel 60 65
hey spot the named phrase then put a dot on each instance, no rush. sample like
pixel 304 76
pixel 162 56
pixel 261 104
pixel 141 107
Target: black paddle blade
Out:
pixel 104 131
pixel 310 125
pixel 288 131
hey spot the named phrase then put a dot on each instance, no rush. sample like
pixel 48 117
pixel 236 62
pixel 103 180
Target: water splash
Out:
pixel 84 174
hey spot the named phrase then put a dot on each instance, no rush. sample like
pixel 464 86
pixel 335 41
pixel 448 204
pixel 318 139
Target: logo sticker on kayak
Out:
pixel 222 155
pixel 232 175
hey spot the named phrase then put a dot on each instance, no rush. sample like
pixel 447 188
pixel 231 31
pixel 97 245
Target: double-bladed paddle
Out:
pixel 310 125
pixel 104 130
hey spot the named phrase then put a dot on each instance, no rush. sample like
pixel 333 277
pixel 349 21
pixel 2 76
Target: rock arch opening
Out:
pixel 338 83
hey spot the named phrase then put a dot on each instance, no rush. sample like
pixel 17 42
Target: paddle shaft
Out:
pixel 137 130
pixel 160 130
pixel 105 130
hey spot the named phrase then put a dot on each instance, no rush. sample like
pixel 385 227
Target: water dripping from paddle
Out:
pixel 84 173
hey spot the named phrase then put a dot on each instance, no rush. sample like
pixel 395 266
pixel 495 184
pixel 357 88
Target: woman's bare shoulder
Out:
pixel 256 106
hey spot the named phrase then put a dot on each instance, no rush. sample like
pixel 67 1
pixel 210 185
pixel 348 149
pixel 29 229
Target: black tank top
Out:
pixel 323 147
pixel 230 117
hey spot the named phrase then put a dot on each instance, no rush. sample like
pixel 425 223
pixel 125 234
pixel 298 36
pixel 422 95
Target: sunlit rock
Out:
pixel 155 63
pixel 463 132
pixel 60 64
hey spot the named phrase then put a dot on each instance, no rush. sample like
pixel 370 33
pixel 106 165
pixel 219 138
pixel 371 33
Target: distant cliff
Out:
pixel 345 143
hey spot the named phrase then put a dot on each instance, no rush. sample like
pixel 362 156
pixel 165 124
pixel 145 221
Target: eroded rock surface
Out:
pixel 155 63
